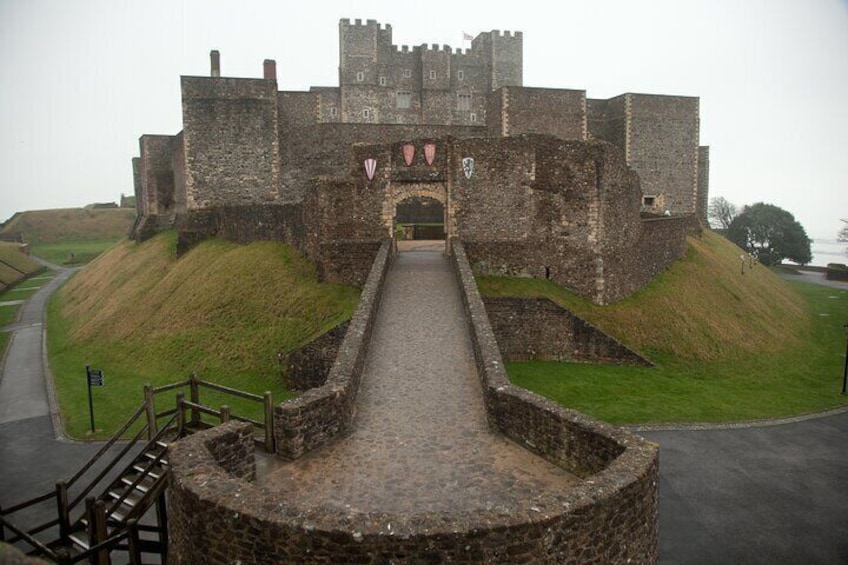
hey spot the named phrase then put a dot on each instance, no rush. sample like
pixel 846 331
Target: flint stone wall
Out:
pixel 320 414
pixel 308 366
pixel 538 329
pixel 219 515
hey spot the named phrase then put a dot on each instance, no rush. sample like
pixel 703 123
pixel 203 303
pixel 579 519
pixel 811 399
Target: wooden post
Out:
pixel 225 414
pixel 180 414
pixel 92 527
pixel 194 383
pixel 150 405
pixel 64 511
pixel 269 422
pixel 162 520
pixel 133 542
pixel 102 557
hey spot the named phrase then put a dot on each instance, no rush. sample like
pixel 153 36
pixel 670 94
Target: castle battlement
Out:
pixel 249 153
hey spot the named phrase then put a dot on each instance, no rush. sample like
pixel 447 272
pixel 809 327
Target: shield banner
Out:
pixel 468 166
pixel 408 153
pixel 429 152
pixel 370 167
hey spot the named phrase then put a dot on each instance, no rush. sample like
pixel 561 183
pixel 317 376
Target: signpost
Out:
pixel 94 378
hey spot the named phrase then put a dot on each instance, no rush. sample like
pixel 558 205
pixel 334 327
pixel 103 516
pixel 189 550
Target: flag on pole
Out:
pixel 467 36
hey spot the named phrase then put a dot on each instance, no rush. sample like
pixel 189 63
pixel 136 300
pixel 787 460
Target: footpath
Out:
pixel 765 494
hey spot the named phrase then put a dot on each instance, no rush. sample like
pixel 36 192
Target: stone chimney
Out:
pixel 269 68
pixel 215 60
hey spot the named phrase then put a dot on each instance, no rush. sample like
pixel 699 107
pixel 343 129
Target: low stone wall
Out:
pixel 308 366
pixel 320 414
pixel 218 514
pixel 538 329
pixel 624 467
pixel 242 224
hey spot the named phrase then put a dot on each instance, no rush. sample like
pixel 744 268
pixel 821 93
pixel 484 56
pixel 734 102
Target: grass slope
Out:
pixel 222 310
pixel 56 235
pixel 728 346
pixel 14 265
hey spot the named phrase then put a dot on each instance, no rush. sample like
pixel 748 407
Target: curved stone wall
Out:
pixel 217 514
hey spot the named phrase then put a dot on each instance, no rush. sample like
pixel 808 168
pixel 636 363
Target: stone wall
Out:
pixel 230 136
pixel 243 224
pixel 217 514
pixel 663 148
pixel 308 366
pixel 703 184
pixel 551 111
pixel 537 329
pixel 320 414
pixel 623 466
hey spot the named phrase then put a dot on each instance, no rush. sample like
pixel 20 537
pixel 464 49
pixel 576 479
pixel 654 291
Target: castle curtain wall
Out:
pixel 230 133
pixel 663 148
pixel 557 112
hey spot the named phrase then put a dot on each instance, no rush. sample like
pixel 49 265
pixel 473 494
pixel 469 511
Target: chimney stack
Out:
pixel 269 68
pixel 215 59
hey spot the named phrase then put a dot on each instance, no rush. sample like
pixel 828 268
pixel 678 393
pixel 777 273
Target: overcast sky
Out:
pixel 80 81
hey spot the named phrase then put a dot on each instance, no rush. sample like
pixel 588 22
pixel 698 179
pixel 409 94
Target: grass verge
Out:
pixel 222 310
pixel 73 252
pixel 726 346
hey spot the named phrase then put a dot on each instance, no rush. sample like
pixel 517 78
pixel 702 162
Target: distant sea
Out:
pixel 828 251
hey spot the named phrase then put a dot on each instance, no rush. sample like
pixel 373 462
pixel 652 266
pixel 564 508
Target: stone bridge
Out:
pixel 425 464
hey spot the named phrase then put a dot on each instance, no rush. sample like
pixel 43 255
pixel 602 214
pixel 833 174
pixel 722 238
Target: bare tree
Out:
pixel 843 234
pixel 721 212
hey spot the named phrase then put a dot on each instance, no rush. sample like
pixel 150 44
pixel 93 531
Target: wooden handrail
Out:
pixel 232 391
pixel 108 444
pixel 30 502
pixel 108 467
pixel 22 535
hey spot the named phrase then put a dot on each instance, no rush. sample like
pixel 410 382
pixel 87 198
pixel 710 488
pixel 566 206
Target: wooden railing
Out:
pixel 177 424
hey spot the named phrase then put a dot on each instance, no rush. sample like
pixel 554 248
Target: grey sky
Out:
pixel 82 80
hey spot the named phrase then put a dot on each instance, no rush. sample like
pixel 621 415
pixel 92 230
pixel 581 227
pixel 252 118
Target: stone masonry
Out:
pixel 252 161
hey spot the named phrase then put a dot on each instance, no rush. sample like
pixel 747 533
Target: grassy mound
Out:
pixel 71 235
pixel 222 310
pixel 14 265
pixel 728 346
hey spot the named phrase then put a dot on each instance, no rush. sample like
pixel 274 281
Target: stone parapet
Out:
pixel 320 414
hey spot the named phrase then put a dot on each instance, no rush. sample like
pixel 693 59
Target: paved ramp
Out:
pixel 420 441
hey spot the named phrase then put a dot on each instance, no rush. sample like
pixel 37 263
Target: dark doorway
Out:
pixel 420 218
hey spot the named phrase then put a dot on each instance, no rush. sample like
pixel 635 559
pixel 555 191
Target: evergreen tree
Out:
pixel 771 233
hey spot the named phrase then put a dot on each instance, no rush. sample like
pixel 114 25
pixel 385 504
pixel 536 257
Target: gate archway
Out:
pixel 433 193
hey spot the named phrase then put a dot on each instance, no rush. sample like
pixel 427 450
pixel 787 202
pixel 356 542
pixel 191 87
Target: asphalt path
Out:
pixel 769 494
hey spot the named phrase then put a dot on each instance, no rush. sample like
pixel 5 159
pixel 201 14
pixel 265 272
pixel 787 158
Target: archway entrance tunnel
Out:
pixel 419 218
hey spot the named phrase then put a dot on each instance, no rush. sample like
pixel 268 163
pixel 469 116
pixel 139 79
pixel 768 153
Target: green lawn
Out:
pixel 222 310
pixel 73 252
pixel 804 378
pixel 21 291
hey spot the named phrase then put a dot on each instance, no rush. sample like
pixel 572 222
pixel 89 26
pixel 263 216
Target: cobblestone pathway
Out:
pixel 420 441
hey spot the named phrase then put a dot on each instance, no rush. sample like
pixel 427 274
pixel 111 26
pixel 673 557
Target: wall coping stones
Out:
pixel 218 516
pixel 320 414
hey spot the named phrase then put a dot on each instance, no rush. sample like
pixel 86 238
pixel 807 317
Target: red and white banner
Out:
pixel 408 153
pixel 429 152
pixel 370 167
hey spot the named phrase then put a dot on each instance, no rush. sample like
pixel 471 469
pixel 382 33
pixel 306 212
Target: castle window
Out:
pixel 334 112
pixel 432 75
pixel 460 75
pixel 463 102
pixel 407 73
pixel 472 117
pixel 404 99
pixel 360 76
pixel 366 114
pixel 382 81
pixel 648 200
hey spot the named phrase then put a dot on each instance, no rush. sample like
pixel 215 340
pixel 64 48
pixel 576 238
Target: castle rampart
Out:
pixel 231 143
pixel 246 145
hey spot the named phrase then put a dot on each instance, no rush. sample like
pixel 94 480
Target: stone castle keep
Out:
pixel 597 195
